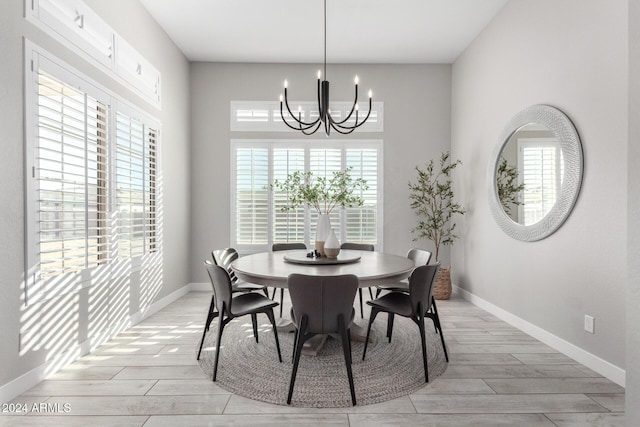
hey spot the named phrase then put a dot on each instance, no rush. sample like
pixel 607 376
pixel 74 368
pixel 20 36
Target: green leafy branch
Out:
pixel 508 188
pixel 321 193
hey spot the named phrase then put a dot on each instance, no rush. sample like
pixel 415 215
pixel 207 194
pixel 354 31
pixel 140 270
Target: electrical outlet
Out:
pixel 589 324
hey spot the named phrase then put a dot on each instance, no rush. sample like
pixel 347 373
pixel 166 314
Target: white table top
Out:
pixel 374 268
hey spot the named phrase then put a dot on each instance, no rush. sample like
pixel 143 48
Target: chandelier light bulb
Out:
pixel 357 107
pixel 356 80
pixel 370 93
pixel 319 74
pixel 280 97
pixel 286 83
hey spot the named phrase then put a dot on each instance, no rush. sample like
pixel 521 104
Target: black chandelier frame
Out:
pixel 324 117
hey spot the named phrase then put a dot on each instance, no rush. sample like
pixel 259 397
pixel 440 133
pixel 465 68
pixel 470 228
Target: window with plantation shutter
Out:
pixel 361 222
pixel 288 226
pixel 542 170
pixel 135 172
pixel 91 178
pixel 71 175
pixel 258 219
pixel 323 162
pixel 252 196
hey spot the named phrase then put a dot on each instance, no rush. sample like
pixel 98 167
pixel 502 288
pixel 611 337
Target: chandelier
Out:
pixel 324 116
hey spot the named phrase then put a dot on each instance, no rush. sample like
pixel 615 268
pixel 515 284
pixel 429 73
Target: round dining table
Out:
pixel 273 269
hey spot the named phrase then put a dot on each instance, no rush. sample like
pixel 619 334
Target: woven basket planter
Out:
pixel 442 286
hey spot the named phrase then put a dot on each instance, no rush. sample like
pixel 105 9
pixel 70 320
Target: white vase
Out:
pixel 332 245
pixel 322 231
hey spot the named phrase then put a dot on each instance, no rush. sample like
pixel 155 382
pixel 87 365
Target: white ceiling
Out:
pixel 289 31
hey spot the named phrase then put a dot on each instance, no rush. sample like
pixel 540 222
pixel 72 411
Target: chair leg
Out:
pixel 378 291
pixel 361 306
pixel 374 313
pixel 297 351
pixel 272 319
pixel 254 322
pixel 436 321
pixel 390 325
pixel 281 300
pixel 370 293
pixel 423 342
pixel 210 316
pixel 218 341
pixel 295 344
pixel 347 356
pixel 266 291
pixel 350 350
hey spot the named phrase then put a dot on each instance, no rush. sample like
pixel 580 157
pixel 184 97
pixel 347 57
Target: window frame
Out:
pixel 36 59
pixel 272 122
pixel 271 144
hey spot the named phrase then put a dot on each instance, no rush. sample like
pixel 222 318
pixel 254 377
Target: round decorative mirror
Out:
pixel 535 173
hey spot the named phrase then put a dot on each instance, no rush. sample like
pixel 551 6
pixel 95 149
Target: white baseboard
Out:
pixel 24 382
pixel 203 286
pixel 597 364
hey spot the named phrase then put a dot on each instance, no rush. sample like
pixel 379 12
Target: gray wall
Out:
pixel 572 55
pixel 417 104
pixel 132 22
pixel 632 409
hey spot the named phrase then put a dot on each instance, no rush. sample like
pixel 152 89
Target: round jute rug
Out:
pixel 391 370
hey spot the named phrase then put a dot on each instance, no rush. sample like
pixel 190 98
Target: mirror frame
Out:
pixel 567 135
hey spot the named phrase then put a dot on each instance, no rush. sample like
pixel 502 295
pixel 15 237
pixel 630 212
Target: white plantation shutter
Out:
pixel 323 162
pixel 135 186
pixel 257 217
pixel 71 171
pixel 542 176
pixel 91 178
pixel 252 196
pixel 361 222
pixel 288 226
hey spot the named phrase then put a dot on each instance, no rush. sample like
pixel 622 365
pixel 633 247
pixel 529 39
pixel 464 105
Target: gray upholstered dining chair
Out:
pixel 284 247
pixel 413 305
pixel 322 305
pixel 419 257
pixel 224 258
pixel 230 307
pixel 359 247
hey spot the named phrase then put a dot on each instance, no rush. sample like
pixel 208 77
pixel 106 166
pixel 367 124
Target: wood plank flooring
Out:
pixel 148 376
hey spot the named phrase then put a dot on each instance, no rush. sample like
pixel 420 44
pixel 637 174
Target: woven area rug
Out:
pixel 391 370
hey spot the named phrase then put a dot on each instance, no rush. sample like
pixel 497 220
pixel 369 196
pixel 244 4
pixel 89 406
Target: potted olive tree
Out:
pixel 432 200
pixel 321 194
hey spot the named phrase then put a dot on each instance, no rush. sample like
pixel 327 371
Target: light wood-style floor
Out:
pixel 498 376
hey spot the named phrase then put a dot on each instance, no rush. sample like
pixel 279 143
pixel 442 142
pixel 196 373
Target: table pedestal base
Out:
pixel 313 345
